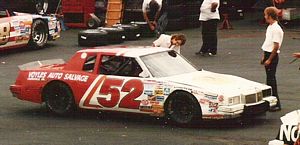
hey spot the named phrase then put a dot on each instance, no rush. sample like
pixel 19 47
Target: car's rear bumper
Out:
pixel 235 111
pixel 16 90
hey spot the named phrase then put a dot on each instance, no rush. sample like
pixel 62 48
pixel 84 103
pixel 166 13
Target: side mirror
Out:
pixel 144 74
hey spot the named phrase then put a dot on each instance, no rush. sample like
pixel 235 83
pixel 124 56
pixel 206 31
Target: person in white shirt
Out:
pixel 271 48
pixel 209 16
pixel 174 41
pixel 155 14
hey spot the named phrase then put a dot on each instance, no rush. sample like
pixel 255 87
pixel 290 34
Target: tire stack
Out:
pixel 133 11
pixel 175 11
pixel 92 37
pixel 109 35
pixel 133 15
pixel 115 35
pixel 192 13
pixel 131 31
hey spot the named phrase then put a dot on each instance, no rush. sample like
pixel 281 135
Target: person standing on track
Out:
pixel 209 16
pixel 271 48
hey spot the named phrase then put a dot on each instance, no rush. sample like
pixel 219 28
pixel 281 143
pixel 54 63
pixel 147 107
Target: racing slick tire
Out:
pixel 92 23
pixel 182 108
pixel 145 30
pixel 58 98
pixel 131 31
pixel 92 37
pixel 175 11
pixel 39 34
pixel 115 35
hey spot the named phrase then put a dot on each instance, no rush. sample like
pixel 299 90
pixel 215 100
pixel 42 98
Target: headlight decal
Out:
pixel 234 100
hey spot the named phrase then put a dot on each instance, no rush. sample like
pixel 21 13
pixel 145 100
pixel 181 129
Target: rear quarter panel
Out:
pixel 33 82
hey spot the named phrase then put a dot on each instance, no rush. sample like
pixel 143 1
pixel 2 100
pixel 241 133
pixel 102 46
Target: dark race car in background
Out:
pixel 21 29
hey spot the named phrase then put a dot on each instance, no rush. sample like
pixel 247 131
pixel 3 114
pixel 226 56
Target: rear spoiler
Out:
pixel 38 64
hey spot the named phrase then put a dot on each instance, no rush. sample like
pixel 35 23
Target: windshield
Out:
pixel 166 64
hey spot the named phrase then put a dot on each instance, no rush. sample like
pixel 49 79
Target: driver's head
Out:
pixel 153 6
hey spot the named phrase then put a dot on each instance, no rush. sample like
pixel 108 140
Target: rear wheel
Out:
pixel 182 108
pixel 59 98
pixel 39 34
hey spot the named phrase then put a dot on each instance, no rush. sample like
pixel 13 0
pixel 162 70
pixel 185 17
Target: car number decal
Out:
pixel 106 92
pixel 4 33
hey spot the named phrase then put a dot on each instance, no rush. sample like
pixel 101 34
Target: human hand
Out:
pixel 214 7
pixel 267 62
pixel 262 60
pixel 297 55
pixel 152 27
pixel 154 24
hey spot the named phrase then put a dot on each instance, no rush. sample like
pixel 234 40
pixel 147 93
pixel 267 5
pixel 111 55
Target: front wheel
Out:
pixel 182 108
pixel 39 34
pixel 59 98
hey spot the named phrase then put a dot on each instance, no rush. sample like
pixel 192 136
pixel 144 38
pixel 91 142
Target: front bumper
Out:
pixel 234 111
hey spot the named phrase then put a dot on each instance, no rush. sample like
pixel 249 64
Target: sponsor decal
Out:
pixel 83 55
pixel 146 108
pixel 213 107
pixel 148 92
pixel 37 76
pixel 145 102
pixel 167 91
pixel 76 77
pixel 55 75
pixel 221 98
pixel 211 97
pixel 160 98
pixel 288 133
pixel 159 92
pixel 41 76
pixel 204 101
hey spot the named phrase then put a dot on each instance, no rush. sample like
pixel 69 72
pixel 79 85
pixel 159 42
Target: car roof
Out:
pixel 128 51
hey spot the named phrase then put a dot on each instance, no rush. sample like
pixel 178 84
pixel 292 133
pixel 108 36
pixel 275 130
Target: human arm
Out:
pixel 262 59
pixel 273 54
pixel 297 54
pixel 158 42
pixel 145 15
pixel 214 6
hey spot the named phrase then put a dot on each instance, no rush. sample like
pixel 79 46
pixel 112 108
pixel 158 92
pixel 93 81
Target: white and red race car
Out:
pixel 154 81
pixel 21 29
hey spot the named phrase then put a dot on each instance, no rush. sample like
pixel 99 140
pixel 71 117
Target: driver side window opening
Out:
pixel 120 66
pixel 3 14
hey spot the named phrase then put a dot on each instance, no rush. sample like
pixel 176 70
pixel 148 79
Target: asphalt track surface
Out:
pixel 24 123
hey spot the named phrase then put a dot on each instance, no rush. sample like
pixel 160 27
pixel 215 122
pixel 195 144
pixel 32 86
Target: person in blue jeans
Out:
pixel 60 18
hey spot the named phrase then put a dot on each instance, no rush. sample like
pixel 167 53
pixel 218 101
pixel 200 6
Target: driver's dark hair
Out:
pixel 153 6
pixel 179 37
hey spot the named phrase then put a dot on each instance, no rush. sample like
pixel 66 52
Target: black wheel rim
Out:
pixel 181 110
pixel 58 100
pixel 39 34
